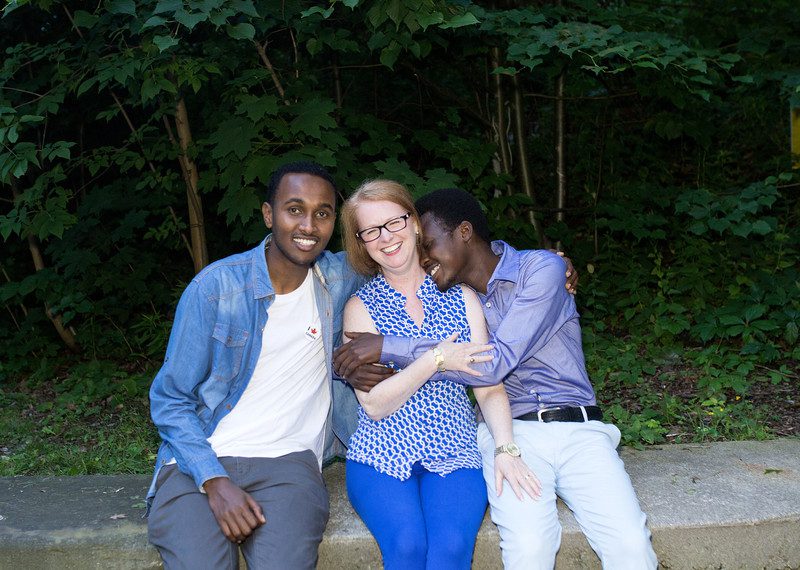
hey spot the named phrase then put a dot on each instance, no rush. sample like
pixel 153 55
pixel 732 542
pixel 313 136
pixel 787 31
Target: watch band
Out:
pixel 511 448
pixel 439 359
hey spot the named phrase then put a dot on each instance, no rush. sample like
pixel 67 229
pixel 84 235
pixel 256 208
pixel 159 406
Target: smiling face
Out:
pixel 445 256
pixel 395 252
pixel 301 217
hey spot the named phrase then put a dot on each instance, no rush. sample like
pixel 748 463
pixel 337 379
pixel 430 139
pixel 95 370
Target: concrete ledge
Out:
pixel 723 505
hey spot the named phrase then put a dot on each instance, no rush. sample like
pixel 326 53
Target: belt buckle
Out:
pixel 544 410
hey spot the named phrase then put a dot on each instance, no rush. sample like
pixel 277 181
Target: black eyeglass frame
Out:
pixel 382 227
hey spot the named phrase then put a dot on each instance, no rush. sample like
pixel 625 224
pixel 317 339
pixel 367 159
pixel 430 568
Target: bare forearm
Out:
pixel 496 411
pixel 388 396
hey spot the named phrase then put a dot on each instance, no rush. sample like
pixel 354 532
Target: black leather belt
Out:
pixel 579 414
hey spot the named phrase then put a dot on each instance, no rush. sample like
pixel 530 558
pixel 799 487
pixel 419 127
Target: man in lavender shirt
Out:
pixel 538 355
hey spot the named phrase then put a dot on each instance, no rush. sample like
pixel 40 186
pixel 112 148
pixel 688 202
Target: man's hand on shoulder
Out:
pixel 363 348
pixel 237 513
pixel 572 274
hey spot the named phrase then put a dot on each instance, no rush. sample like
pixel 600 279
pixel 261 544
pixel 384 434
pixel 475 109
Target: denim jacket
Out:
pixel 213 349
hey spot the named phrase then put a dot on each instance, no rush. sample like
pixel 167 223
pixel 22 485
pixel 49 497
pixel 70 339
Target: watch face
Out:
pixel 513 449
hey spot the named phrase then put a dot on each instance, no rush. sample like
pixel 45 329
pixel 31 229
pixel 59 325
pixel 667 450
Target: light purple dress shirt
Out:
pixel 533 325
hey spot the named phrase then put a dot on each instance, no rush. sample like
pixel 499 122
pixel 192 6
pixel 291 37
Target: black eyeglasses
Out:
pixel 394 225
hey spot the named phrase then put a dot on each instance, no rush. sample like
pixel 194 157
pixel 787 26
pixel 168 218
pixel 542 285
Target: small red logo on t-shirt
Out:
pixel 312 332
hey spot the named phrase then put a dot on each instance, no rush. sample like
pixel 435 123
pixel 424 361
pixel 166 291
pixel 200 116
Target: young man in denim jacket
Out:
pixel 244 401
pixel 558 432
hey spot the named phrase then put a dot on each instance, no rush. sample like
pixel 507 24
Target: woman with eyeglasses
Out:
pixel 413 465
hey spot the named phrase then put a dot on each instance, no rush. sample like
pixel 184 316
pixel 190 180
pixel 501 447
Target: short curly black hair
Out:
pixel 297 167
pixel 451 206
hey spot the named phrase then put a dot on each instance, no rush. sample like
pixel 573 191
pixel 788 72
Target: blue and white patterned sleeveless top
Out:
pixel 436 426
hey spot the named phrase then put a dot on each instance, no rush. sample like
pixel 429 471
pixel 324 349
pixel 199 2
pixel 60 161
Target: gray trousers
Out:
pixel 291 493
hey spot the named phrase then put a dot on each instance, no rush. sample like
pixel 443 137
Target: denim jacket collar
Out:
pixel 262 284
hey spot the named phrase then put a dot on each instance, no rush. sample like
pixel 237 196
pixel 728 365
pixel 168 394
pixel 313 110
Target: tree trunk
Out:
pixel 500 110
pixel 67 336
pixel 561 173
pixel 522 159
pixel 197 230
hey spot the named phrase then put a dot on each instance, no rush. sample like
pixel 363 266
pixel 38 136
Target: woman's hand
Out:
pixel 518 474
pixel 459 355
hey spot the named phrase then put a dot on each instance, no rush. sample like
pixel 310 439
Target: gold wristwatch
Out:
pixel 511 448
pixel 438 357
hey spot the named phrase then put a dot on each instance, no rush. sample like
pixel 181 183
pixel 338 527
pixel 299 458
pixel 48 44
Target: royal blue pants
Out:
pixel 425 522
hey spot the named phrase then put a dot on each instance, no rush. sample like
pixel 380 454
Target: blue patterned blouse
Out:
pixel 436 426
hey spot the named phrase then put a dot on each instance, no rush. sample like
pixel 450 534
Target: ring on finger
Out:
pixel 472 359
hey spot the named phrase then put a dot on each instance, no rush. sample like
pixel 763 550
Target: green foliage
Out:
pixel 65 441
pixel 707 310
pixel 737 213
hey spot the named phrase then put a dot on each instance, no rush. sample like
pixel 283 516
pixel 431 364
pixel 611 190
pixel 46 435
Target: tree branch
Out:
pixel 262 53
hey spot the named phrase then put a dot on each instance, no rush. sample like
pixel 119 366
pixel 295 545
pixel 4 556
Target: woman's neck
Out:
pixel 406 282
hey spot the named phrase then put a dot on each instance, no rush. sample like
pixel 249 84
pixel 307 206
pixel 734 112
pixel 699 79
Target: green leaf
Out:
pixel 430 19
pixel 719 225
pixel 791 332
pixel 317 10
pixel 233 136
pixel 765 325
pixel 260 168
pixel 245 7
pixel 121 7
pixel 242 203
pixel 190 20
pixel 730 320
pixel 86 85
pixel 153 21
pixel 390 53
pixel 170 6
pixel 256 108
pixel 84 19
pixel 753 312
pixel 742 230
pixel 20 168
pixel 466 19
pixel 761 227
pixel 440 178
pixel 164 42
pixel 241 31
pixel 12 5
pixel 312 116
pixel 504 71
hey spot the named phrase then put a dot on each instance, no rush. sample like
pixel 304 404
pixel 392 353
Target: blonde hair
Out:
pixel 371 191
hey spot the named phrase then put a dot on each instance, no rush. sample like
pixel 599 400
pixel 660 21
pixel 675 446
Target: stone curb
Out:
pixel 721 505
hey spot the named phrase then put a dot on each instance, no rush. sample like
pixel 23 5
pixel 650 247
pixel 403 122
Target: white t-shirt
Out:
pixel 285 406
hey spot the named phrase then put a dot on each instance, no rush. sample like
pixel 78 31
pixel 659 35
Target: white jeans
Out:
pixel 579 463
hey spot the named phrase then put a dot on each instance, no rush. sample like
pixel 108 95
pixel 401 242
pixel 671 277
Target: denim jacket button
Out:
pixel 227 406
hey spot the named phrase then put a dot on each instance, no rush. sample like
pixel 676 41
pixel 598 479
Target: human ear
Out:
pixel 465 231
pixel 266 212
